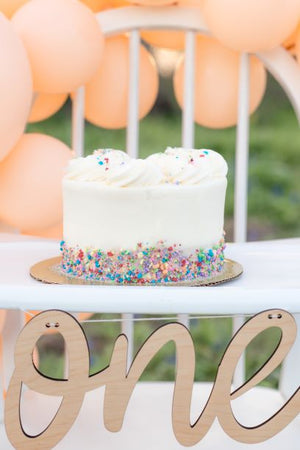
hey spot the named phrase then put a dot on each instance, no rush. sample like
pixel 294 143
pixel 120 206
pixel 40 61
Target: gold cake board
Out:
pixel 48 271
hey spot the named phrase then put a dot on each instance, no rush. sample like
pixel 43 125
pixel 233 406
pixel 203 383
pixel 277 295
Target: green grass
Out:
pixel 274 212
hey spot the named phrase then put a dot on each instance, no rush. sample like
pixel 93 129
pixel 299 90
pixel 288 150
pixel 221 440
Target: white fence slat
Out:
pixel 241 182
pixel 132 141
pixel 242 152
pixel 128 330
pixel 78 122
pixel 188 113
pixel 132 147
pixel 184 319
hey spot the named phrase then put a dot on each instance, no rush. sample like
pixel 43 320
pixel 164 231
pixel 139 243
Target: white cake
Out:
pixel 157 220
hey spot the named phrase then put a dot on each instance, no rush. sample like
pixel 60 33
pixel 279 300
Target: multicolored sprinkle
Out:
pixel 146 264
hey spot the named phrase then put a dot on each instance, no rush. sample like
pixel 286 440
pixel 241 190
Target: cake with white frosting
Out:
pixel 144 221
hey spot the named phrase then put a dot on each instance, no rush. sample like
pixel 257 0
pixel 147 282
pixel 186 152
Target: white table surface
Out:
pixel 271 279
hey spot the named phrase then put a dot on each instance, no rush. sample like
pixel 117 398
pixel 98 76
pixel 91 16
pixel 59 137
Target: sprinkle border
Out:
pixel 146 264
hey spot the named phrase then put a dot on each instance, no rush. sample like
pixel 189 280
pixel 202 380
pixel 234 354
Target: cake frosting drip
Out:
pixel 159 264
pixel 174 166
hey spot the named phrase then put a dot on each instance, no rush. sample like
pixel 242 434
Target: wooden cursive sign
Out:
pixel 119 383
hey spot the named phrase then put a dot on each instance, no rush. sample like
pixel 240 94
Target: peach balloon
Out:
pixel 119 3
pixel 216 84
pixel 96 5
pixel 54 232
pixel 297 46
pixel 84 316
pixel 107 93
pixel 251 25
pixel 290 43
pixel 171 39
pixel 45 105
pixel 9 7
pixel 64 43
pixel 2 319
pixel 30 188
pixel 30 314
pixel 152 2
pixel 194 3
pixel 15 87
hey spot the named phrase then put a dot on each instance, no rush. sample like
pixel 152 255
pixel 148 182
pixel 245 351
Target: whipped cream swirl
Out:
pixel 175 166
